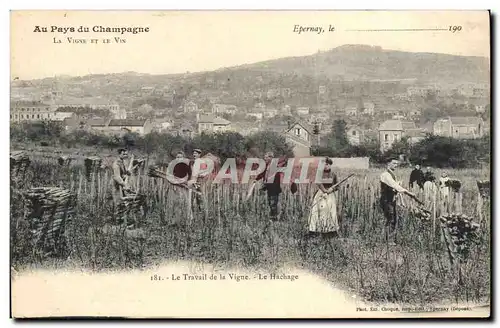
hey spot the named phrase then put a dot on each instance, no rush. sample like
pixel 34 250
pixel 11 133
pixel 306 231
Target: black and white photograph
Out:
pixel 250 164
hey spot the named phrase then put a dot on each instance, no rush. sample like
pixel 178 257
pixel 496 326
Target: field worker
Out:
pixel 444 190
pixel 388 190
pixel 120 172
pixel 428 175
pixel 417 176
pixel 194 181
pixel 323 218
pixel 180 155
pixel 181 170
pixel 430 193
pixel 273 188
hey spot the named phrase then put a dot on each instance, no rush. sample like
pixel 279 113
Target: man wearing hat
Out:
pixel 120 172
pixel 196 165
pixel 273 187
pixel 417 177
pixel 389 189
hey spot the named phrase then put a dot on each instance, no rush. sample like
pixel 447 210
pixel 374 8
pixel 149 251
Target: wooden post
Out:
pixel 480 208
pixel 434 214
pixel 190 206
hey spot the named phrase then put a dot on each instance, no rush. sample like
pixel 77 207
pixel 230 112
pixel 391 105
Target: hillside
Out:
pixel 358 62
pixel 348 62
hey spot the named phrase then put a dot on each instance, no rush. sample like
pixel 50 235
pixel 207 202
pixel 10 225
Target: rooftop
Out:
pixel 29 104
pixel 211 119
pixel 465 120
pixel 127 122
pixel 306 126
pixel 97 122
pixel 396 125
pixel 83 101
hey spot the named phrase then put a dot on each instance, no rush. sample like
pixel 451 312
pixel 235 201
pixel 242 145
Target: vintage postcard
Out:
pixel 250 164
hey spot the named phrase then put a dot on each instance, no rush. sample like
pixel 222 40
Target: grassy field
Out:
pixel 237 233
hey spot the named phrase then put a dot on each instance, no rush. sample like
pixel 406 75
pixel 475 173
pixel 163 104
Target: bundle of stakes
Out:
pixel 178 178
pixel 454 185
pixel 65 160
pixel 92 166
pixel 19 162
pixel 460 233
pixel 421 213
pixel 131 202
pixel 484 188
pixel 137 164
pixel 50 209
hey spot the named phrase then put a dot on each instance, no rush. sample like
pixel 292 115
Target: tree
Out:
pixel 258 143
pixel 360 105
pixel 337 139
pixel 316 132
pixel 400 147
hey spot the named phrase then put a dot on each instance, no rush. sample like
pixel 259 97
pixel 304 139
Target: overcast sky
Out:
pixel 199 41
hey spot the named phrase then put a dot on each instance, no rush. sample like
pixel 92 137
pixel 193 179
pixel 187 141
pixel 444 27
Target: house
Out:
pixel 391 112
pixel 459 127
pixel 270 112
pixel 479 92
pixel 259 107
pixel 60 116
pixel 351 111
pixel 190 107
pixel 146 91
pixel 96 103
pixel 119 114
pixel 478 105
pixel 480 108
pixel 211 123
pixel 140 126
pixel 420 90
pixel 355 135
pixel 286 110
pixel 323 117
pixel 391 131
pixel 414 113
pixel 23 111
pixel 299 134
pixel 401 96
pixel 368 108
pixel 257 115
pixel 285 92
pixel 320 119
pixel 158 92
pixel 97 125
pixel 219 109
pixel 339 112
pixel 273 93
pixel 302 111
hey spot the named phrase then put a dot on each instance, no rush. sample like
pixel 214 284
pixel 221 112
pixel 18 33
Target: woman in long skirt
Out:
pixel 323 215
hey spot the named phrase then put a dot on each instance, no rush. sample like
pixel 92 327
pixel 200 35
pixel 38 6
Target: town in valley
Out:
pixel 260 97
